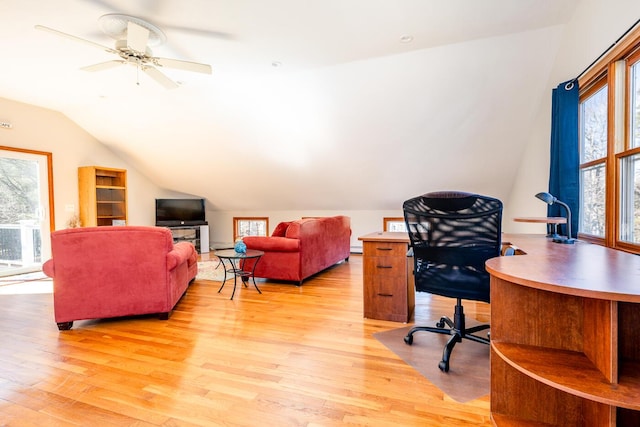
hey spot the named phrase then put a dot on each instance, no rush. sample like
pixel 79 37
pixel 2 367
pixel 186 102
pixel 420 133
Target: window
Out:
pixel 629 157
pixel 610 148
pixel 630 199
pixel 394 224
pixel 26 211
pixel 593 156
pixel 249 226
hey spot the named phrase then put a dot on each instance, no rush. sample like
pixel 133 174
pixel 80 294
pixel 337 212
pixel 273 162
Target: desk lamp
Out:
pixel 550 200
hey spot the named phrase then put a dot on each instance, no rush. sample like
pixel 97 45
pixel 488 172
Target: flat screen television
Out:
pixel 172 212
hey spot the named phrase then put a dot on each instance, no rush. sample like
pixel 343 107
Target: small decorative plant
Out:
pixel 74 221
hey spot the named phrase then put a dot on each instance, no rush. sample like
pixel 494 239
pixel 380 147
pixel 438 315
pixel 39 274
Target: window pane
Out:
pixel 251 227
pixel 592 200
pixel 20 214
pixel 593 126
pixel 630 199
pixel 635 105
pixel 396 226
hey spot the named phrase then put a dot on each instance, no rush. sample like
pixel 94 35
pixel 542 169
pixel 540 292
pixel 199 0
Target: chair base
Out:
pixel 456 328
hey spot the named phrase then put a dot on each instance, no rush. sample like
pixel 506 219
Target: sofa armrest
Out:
pixel 48 268
pixel 272 244
pixel 182 252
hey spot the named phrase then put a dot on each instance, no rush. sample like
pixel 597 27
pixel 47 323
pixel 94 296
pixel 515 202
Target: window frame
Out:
pixel 585 94
pixel 237 220
pixel 613 69
pixel 386 221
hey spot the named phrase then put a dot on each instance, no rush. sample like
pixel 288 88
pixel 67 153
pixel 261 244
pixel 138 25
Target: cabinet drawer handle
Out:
pixel 385 295
pixel 383 249
pixel 384 266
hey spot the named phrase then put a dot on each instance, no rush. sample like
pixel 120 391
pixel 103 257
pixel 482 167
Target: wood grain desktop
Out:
pixel 565 343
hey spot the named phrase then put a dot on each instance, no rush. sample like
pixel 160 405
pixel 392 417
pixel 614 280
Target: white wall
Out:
pixel 594 27
pixel 40 129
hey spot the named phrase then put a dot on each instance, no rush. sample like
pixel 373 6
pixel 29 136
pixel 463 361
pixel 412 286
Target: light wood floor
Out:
pixel 293 356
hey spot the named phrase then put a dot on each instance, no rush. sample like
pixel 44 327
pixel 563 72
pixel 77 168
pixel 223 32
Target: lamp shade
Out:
pixel 547 198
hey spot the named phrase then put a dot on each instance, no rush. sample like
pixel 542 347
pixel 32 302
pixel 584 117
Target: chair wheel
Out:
pixel 440 324
pixel 408 339
pixel 444 366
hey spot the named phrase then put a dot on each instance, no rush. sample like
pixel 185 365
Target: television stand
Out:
pixel 198 235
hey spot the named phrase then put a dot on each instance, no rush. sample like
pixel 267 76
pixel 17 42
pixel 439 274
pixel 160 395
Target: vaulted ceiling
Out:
pixel 316 104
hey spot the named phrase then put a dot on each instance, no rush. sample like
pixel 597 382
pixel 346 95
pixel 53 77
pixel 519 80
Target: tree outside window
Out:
pixel 629 222
pixel 19 186
pixel 18 190
pixel 593 152
pixel 249 226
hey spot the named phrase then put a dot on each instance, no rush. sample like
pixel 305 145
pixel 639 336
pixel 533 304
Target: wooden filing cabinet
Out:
pixel 388 288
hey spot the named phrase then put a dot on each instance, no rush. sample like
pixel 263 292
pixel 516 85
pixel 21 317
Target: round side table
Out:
pixel 236 261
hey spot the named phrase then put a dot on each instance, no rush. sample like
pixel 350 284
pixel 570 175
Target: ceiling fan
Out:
pixel 133 37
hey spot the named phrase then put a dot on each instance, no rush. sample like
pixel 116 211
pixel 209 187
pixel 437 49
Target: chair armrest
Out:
pixel 272 244
pixel 181 252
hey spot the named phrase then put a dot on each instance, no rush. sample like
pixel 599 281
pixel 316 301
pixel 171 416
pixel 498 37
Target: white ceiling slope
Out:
pixel 351 119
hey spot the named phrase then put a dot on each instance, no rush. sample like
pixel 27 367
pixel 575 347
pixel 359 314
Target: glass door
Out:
pixel 25 221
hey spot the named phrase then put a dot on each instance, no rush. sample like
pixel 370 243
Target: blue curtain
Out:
pixel 564 179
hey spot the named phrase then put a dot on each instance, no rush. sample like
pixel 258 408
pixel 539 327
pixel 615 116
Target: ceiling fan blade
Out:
pixel 198 31
pixel 159 77
pixel 78 39
pixel 104 65
pixel 137 37
pixel 182 65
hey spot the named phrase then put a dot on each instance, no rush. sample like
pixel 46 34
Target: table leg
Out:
pixel 224 268
pixel 235 277
pixel 236 267
pixel 253 276
pixel 231 269
pixel 553 231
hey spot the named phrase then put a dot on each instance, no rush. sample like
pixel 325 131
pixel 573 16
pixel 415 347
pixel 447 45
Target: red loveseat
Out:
pixel 101 272
pixel 299 249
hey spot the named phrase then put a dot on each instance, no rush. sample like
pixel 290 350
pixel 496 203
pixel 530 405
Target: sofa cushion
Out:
pixel 281 229
pixel 275 244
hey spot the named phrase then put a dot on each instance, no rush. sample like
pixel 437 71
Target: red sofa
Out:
pixel 299 249
pixel 101 272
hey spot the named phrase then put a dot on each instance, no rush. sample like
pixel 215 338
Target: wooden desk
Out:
pixel 565 341
pixel 388 287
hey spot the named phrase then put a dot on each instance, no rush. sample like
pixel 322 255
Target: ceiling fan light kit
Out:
pixel 133 37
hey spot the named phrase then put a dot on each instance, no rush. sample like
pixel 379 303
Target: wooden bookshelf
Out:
pixel 102 196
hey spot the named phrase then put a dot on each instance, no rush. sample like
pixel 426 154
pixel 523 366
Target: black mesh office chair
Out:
pixel 452 234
